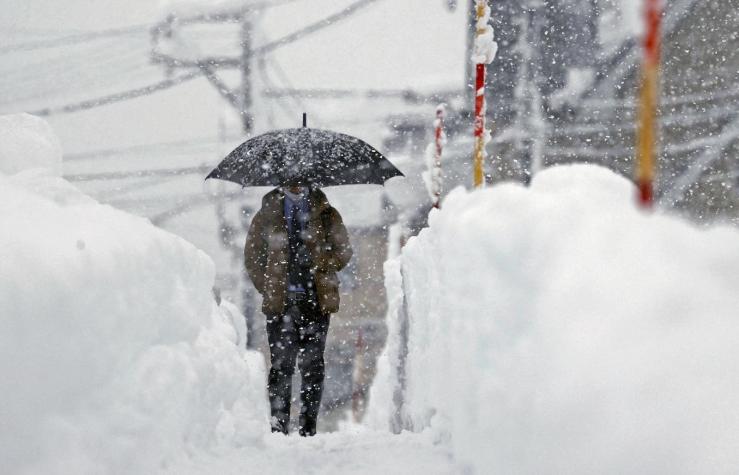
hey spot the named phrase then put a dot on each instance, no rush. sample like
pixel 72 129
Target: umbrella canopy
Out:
pixel 315 156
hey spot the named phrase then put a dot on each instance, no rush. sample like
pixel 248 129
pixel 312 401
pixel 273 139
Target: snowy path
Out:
pixel 592 338
pixel 355 451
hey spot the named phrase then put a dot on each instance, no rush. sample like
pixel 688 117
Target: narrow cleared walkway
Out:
pixel 355 451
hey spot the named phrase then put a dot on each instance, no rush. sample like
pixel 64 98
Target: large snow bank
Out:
pixel 557 329
pixel 28 142
pixel 113 354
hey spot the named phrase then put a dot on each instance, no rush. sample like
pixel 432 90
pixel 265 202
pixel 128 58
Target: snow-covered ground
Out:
pixel 354 451
pixel 558 329
pixel 551 329
pixel 115 357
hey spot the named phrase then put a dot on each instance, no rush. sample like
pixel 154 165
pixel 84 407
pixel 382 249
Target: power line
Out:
pixel 87 36
pixel 234 15
pixel 118 97
pixel 314 27
pixel 289 111
pixel 166 172
pixel 406 94
pixel 74 39
pixel 119 74
pixel 138 185
pixel 286 81
pixel 118 65
pixel 168 83
pixel 41 31
pixel 48 69
pixel 111 152
pixel 188 204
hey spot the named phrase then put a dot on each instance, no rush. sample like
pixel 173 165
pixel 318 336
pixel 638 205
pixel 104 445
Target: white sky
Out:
pixel 390 44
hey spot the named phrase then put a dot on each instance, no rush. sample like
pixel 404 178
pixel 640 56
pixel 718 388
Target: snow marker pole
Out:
pixel 357 378
pixel 479 107
pixel 483 54
pixel 646 131
pixel 439 139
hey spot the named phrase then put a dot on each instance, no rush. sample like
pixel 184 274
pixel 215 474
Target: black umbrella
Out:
pixel 315 156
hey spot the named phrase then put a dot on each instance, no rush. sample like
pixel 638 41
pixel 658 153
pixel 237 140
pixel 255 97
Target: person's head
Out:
pixel 297 186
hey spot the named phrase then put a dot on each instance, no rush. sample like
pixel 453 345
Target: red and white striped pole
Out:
pixel 647 127
pixel 483 54
pixel 439 140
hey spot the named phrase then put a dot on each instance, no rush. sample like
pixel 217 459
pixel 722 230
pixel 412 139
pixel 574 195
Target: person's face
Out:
pixel 295 189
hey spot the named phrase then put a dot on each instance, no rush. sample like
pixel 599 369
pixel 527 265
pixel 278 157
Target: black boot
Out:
pixel 278 425
pixel 307 426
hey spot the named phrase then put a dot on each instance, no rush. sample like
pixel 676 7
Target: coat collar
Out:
pixel 275 200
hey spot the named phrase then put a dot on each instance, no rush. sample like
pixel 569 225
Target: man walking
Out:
pixel 295 245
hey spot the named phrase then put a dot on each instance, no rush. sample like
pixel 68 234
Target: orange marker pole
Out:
pixel 439 139
pixel 479 154
pixel 646 145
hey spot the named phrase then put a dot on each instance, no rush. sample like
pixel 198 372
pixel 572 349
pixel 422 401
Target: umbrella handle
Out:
pixel 305 119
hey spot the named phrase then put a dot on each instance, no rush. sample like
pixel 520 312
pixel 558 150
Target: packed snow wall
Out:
pixel 114 356
pixel 559 329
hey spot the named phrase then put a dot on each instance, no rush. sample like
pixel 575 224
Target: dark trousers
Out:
pixel 299 334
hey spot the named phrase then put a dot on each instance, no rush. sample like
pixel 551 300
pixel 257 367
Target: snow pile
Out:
pixel 115 357
pixel 557 329
pixel 27 142
pixel 485 46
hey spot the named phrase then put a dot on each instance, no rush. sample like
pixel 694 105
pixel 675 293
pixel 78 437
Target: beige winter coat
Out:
pixel 266 251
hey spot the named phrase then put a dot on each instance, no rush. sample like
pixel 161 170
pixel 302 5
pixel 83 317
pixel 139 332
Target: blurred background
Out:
pixel 148 97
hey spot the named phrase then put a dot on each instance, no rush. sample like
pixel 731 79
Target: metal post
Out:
pixel 537 121
pixel 468 67
pixel 246 54
pixel 358 378
pixel 247 121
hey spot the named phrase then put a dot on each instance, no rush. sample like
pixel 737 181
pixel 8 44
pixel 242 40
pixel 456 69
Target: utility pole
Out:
pixel 246 56
pixel 240 98
pixel 247 121
pixel 469 70
pixel 535 123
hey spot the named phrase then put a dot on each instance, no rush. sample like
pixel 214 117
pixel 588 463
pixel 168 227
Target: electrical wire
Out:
pixel 168 83
pixel 120 96
pixel 289 111
pixel 298 100
pixel 77 37
pixel 119 73
pixel 155 172
pixel 23 73
pixel 74 39
pixel 330 20
pixel 150 147
pixel 113 67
